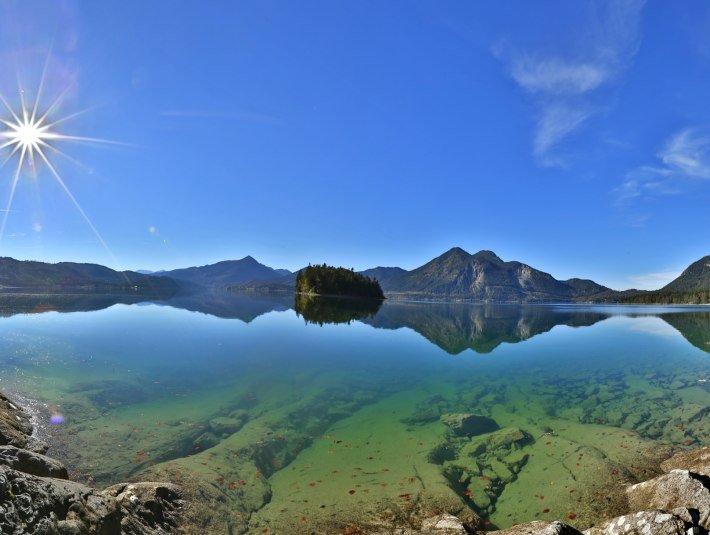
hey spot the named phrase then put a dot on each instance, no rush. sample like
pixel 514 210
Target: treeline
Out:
pixel 696 297
pixel 327 280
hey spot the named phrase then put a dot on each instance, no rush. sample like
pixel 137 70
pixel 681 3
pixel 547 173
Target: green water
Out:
pixel 288 423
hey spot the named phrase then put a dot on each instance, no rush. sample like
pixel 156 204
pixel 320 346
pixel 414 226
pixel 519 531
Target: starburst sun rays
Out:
pixel 31 136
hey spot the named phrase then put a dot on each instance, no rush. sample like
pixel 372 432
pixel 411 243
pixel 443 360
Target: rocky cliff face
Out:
pixel 485 277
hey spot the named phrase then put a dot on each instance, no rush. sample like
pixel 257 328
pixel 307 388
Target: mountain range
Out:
pixel 20 276
pixel 455 275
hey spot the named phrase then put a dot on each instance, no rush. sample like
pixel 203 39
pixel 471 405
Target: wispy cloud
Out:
pixel 683 158
pixel 653 281
pixel 566 86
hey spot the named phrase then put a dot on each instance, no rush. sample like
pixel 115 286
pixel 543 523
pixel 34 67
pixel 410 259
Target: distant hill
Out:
pixel 483 276
pixel 227 273
pixel 18 276
pixel 384 275
pixel 691 287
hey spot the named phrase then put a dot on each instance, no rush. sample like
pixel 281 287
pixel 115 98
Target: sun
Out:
pixel 31 136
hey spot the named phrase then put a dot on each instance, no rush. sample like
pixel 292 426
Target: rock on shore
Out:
pixel 37 498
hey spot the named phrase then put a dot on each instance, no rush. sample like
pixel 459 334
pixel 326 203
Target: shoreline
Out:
pixel 677 501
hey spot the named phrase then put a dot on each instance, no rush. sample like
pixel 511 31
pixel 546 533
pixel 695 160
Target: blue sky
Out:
pixel 573 136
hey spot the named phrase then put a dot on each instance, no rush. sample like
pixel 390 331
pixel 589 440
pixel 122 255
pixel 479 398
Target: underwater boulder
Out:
pixel 468 425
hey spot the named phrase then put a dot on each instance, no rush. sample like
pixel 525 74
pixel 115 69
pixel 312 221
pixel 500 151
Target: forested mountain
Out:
pixel 227 273
pixel 20 276
pixel 691 287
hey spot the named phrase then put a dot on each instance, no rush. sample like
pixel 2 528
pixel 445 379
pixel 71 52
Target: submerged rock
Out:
pixel 468 425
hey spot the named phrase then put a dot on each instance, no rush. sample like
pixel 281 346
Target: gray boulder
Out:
pixel 31 463
pixel 697 461
pixel 675 490
pixel 642 523
pixel 538 527
pixel 35 505
pixel 444 524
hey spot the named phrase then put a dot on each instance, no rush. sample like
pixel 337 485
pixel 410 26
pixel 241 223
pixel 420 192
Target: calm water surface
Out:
pixel 349 416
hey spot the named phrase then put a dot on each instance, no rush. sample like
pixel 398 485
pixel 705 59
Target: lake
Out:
pixel 347 415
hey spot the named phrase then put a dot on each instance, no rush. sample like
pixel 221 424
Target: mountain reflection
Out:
pixel 694 327
pixel 455 327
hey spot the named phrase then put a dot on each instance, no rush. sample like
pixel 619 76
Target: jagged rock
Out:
pixel 677 489
pixel 697 461
pixel 148 508
pixel 463 424
pixel 642 523
pixel 15 427
pixel 35 505
pixel 538 527
pixel 31 463
pixel 438 525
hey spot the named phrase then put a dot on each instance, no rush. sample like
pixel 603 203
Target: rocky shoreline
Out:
pixel 37 498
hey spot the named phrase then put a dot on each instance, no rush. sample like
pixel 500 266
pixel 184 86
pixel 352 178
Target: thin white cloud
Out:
pixel 684 157
pixel 565 86
pixel 555 76
pixel 688 154
pixel 653 281
pixel 556 122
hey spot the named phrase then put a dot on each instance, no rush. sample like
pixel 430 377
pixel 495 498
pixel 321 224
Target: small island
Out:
pixel 324 280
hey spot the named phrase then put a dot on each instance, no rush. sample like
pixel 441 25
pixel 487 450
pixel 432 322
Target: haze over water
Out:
pixel 297 421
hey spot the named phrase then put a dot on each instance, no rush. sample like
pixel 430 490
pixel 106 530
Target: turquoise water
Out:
pixel 287 422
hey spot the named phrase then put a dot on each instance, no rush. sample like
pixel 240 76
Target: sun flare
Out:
pixel 31 136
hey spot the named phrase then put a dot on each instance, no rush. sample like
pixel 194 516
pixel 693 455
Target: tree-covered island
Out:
pixel 327 280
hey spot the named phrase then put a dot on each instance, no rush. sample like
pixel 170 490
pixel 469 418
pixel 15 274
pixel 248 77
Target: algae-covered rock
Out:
pixel 677 489
pixel 225 425
pixel 642 523
pixel 466 424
